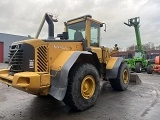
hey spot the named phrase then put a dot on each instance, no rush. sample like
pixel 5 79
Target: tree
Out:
pixel 131 48
pixel 146 47
pixel 157 47
pixel 120 49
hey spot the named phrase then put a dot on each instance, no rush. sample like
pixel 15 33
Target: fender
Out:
pixel 60 70
pixel 112 67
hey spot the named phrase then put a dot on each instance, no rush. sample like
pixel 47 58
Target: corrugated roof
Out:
pixel 4 37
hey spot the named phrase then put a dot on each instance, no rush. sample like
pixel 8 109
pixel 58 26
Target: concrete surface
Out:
pixel 139 102
pixel 2 65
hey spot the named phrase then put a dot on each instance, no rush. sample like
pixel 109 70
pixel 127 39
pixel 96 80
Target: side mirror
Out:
pixel 101 25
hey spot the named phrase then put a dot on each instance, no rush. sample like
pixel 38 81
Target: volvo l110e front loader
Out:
pixel 69 66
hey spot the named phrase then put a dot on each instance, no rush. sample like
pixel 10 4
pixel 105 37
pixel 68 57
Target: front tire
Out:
pixel 149 69
pixel 83 87
pixel 122 81
pixel 138 67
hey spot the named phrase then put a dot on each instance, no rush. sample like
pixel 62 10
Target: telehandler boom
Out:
pixel 139 62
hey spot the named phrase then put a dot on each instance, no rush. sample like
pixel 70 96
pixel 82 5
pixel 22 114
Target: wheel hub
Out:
pixel 125 77
pixel 88 87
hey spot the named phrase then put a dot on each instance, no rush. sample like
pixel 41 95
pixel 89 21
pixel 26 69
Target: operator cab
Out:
pixel 142 55
pixel 138 54
pixel 84 28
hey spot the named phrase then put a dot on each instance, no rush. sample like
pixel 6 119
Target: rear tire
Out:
pixel 138 67
pixel 149 69
pixel 122 81
pixel 83 87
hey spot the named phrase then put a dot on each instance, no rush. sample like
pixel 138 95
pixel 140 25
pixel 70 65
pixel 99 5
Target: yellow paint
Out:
pixel 56 48
pixel 98 51
pixel 75 21
pixel 61 60
pixel 23 81
pixel 33 42
pixel 88 32
pixel 34 81
pixel 114 52
pixel 96 21
pixel 111 62
pixel 45 80
pixel 105 54
pixel 4 71
pixel 30 82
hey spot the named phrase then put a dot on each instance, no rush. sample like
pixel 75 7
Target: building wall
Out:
pixel 8 39
pixel 124 54
pixel 1 52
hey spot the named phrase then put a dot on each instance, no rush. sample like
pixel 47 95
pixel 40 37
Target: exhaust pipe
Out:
pixel 50 21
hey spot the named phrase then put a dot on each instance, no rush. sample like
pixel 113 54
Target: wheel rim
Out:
pixel 140 69
pixel 125 76
pixel 88 87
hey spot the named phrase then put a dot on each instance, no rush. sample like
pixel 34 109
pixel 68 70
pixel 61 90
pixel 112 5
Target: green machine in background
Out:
pixel 139 61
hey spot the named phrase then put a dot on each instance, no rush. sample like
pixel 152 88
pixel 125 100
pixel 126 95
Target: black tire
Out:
pixel 149 69
pixel 75 97
pixel 138 67
pixel 121 83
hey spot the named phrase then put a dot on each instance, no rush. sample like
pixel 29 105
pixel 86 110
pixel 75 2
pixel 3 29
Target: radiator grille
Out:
pixel 16 60
pixel 42 63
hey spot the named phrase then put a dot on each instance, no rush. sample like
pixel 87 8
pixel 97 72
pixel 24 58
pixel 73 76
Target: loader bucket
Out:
pixel 134 78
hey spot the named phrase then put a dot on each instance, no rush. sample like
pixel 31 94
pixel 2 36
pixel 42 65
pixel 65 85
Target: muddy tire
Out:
pixel 138 67
pixel 149 69
pixel 122 81
pixel 83 87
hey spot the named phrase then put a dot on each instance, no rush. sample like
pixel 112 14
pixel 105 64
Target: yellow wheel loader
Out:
pixel 68 67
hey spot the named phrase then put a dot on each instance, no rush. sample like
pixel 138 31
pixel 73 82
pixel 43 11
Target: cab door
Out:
pixel 95 39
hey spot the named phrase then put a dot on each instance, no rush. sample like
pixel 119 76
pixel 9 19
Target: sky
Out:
pixel 23 17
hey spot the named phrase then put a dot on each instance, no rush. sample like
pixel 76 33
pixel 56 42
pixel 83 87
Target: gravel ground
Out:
pixel 139 102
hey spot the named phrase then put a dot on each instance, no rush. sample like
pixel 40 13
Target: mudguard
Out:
pixel 112 67
pixel 60 70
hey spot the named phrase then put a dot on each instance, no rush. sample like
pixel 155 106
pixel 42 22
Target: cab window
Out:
pixel 95 31
pixel 76 31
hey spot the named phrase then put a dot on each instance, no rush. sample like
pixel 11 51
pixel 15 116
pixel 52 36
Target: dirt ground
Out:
pixel 139 102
